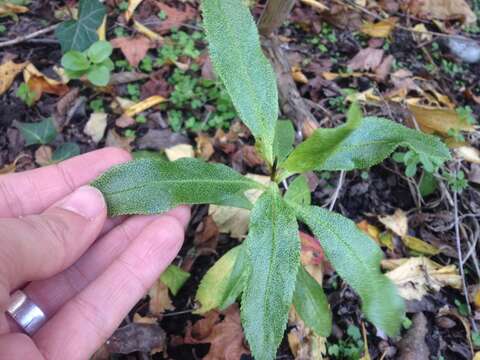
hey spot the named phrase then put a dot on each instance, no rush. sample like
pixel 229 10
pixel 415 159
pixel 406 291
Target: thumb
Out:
pixel 39 246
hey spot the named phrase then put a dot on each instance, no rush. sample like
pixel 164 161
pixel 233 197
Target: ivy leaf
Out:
pixel 223 281
pixel 273 248
pixel 174 278
pixel 311 303
pixel 82 33
pixel 284 139
pixel 42 132
pixel 239 61
pixel 65 151
pixel 360 144
pixel 150 186
pixel 356 258
pixel 299 191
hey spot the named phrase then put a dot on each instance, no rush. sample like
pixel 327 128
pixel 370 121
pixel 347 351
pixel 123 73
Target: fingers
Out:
pixel 34 191
pixel 39 246
pixel 85 322
pixel 18 346
pixel 50 294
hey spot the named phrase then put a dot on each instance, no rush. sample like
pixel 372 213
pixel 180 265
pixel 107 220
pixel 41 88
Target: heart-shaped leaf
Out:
pixel 42 132
pixel 65 151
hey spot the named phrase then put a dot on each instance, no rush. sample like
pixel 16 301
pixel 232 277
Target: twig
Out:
pixel 23 38
pixel 337 190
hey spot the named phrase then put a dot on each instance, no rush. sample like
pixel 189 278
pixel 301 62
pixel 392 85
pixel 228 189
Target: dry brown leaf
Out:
pixel 144 105
pixel 298 75
pixel 174 16
pixel 134 48
pixel 139 319
pixel 381 29
pixel 96 125
pixel 370 230
pixel 8 72
pixel 116 140
pixel 142 29
pixel 43 155
pixel 443 10
pixel 234 221
pixel 39 83
pixel 438 120
pixel 397 222
pixel 419 275
pixel 10 168
pixel 366 59
pixel 205 148
pixel 159 299
pixel 180 151
pixel 9 9
pixel 132 5
pixel 419 246
pixel 303 342
pixel 468 153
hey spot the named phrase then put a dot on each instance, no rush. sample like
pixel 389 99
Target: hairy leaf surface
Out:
pixel 80 34
pixel 239 61
pixel 312 304
pixel 356 258
pixel 150 186
pixel 273 249
pixel 359 145
pixel 298 191
pixel 284 139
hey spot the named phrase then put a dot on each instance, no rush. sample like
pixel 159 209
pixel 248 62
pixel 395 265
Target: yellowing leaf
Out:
pixel 132 5
pixel 397 222
pixel 370 230
pixel 234 221
pixel 468 153
pixel 298 75
pixel 439 120
pixel 386 239
pixel 39 83
pixel 144 105
pixel 418 275
pixel 419 246
pixel 8 72
pixel 142 29
pixel 180 151
pixel 10 9
pixel 102 30
pixel 381 29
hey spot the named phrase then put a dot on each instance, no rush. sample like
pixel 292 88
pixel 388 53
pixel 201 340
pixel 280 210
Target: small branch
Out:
pixel 337 190
pixel 27 37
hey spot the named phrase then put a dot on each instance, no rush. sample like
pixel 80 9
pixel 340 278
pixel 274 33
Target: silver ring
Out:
pixel 25 312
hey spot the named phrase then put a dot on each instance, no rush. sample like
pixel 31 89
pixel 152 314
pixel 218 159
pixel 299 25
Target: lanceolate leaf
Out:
pixel 42 132
pixel 80 34
pixel 361 145
pixel 298 191
pixel 273 249
pixel 356 258
pixel 236 279
pixel 218 282
pixel 284 139
pixel 149 186
pixel 312 304
pixel 239 61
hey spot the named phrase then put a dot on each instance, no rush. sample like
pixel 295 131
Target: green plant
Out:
pixel 94 62
pixel 26 95
pixel 265 271
pixel 350 348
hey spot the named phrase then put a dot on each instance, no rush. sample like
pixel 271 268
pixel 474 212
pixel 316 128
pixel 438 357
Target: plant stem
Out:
pixel 273 16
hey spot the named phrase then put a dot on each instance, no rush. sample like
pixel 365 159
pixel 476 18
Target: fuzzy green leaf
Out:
pixel 38 133
pixel 359 144
pixel 99 75
pixel 218 282
pixel 311 303
pixel 75 61
pixel 99 51
pixel 356 258
pixel 82 33
pixel 273 248
pixel 284 139
pixel 299 191
pixel 150 186
pixel 239 61
pixel 174 278
pixel 236 279
pixel 66 151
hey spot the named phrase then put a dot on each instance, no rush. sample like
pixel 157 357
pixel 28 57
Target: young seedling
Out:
pixel 94 63
pixel 265 270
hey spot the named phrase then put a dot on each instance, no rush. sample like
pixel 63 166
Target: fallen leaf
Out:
pixel 180 151
pixel 102 30
pixel 116 140
pixel 366 59
pixel 205 148
pixel 139 319
pixel 7 9
pixel 370 230
pixel 142 29
pixel 132 5
pixel 468 153
pixel 96 125
pixel 160 140
pixel 381 29
pixel 137 337
pixel 144 105
pixel 303 342
pixel 234 221
pixel 419 275
pixel 134 48
pixel 174 17
pixel 43 155
pixel 125 122
pixel 39 83
pixel 206 235
pixel 298 75
pixel 8 71
pixel 443 10
pixel 10 168
pixel 159 299
pixel 225 337
pixel 397 222
pixel 413 345
pixel 251 157
pixel 438 120
pixel 419 246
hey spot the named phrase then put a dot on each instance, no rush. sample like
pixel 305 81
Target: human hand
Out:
pixel 83 270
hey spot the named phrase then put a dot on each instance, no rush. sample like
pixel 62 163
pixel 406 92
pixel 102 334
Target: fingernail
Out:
pixel 86 201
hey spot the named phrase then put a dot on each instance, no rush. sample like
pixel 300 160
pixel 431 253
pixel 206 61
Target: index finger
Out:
pixel 34 191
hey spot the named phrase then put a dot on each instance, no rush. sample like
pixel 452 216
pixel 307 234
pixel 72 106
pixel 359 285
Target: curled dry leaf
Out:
pixel 416 276
pixel 443 10
pixel 134 48
pixel 137 337
pixel 180 151
pixel 132 5
pixel 235 221
pixel 397 222
pixel 8 71
pixel 142 29
pixel 205 148
pixel 7 9
pixel 381 29
pixel 159 299
pixel 116 140
pixel 96 125
pixel 39 83
pixel 366 59
pixel 174 17
pixel 43 155
pixel 468 153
